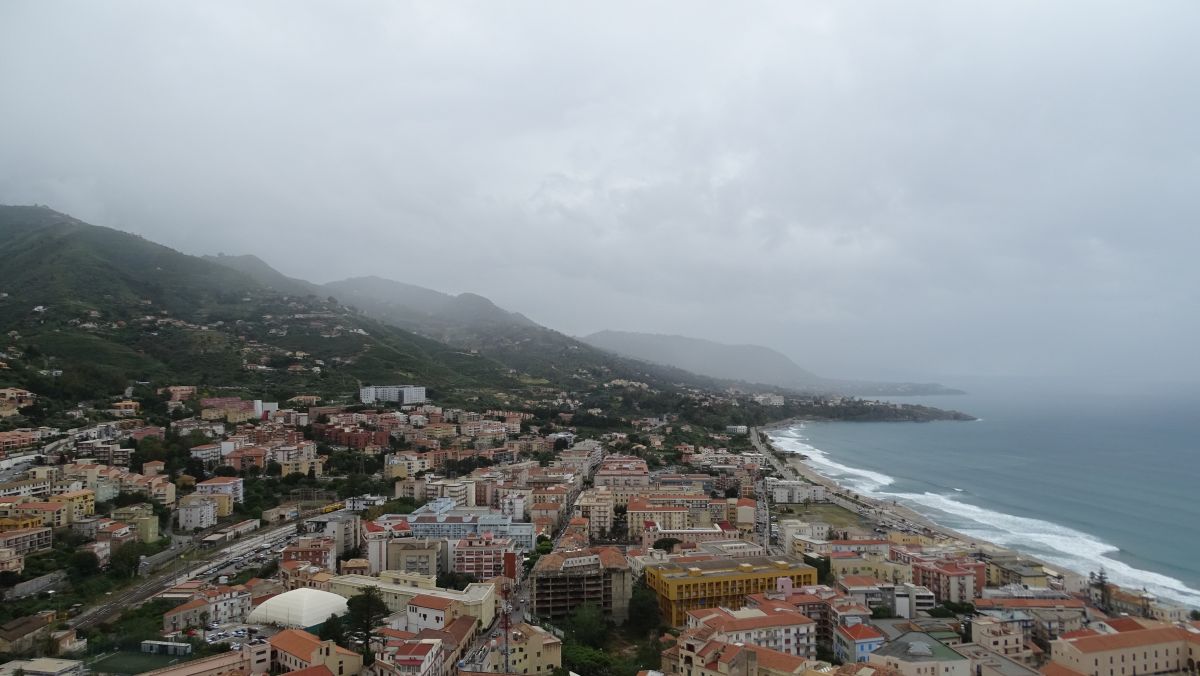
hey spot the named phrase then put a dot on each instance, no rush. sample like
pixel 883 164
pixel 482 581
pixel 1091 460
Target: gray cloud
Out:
pixel 878 190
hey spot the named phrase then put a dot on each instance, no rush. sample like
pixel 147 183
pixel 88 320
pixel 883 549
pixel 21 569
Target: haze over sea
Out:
pixel 1107 477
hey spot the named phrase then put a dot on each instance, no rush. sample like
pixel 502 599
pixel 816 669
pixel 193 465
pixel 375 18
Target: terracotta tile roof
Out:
pixel 190 605
pixel 461 628
pixel 859 581
pixel 1056 669
pixel 1029 603
pixel 778 661
pixel 1129 639
pixel 318 670
pixel 427 601
pixel 296 642
pixel 1121 624
pixel 860 632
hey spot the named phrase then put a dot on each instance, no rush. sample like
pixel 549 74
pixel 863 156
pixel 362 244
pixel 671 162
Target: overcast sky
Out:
pixel 877 189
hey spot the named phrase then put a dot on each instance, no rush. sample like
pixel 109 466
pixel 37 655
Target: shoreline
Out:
pixel 886 514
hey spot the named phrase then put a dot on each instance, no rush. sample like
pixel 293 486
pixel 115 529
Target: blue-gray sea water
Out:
pixel 1085 479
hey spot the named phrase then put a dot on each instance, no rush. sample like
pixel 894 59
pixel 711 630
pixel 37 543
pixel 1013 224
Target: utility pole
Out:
pixel 504 624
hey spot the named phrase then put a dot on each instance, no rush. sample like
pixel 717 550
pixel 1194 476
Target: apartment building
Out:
pixel 563 580
pixel 455 525
pixel 223 485
pixel 82 502
pixel 778 627
pixel 318 551
pixel 26 540
pixel 856 642
pixel 417 555
pixel 197 512
pixel 483 556
pixel 953 581
pixel 531 650
pixel 401 394
pixel 343 527
pixel 622 470
pixel 697 653
pixel 141 518
pixel 597 506
pixel 794 492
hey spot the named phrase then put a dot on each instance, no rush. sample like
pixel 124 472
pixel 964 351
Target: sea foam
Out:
pixel 1054 543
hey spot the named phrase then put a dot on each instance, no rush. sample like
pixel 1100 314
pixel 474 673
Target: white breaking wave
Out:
pixel 1054 543
pixel 861 480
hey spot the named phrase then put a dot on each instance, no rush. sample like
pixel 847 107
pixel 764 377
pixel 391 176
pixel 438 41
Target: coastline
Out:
pixel 887 514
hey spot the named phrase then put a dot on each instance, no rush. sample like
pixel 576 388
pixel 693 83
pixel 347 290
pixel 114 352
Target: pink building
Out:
pixel 481 556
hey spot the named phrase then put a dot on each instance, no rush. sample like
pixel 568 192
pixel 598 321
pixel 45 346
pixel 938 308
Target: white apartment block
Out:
pixel 401 394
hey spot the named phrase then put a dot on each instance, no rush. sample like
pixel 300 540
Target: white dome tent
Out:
pixel 300 608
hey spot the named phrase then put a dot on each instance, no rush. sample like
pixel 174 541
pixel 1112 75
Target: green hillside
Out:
pixel 88 310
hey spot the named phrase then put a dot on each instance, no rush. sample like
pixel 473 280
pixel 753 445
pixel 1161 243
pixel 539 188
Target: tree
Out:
pixel 545 547
pixel 225 470
pixel 587 626
pixel 644 614
pixel 124 561
pixel 1194 615
pixel 83 564
pixel 667 544
pixel 366 610
pixel 332 630
pixel 454 580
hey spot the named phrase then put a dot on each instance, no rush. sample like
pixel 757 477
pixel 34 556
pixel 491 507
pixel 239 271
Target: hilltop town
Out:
pixel 186 531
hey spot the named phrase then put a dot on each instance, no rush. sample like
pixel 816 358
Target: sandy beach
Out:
pixel 888 514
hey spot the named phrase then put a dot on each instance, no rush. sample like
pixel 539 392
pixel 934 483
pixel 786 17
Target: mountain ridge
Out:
pixel 753 363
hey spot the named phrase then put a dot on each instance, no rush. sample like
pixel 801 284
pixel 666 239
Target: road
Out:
pixel 159 582
pixel 478 656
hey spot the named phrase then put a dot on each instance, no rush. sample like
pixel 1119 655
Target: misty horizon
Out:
pixel 919 193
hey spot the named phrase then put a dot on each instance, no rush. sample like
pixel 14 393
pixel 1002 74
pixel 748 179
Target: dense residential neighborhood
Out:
pixel 388 534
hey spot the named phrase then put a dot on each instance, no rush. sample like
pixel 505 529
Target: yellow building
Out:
pixel 19 522
pixel 872 566
pixel 52 514
pixel 681 587
pixel 902 538
pixel 1005 571
pixel 140 517
pixel 302 466
pixel 82 502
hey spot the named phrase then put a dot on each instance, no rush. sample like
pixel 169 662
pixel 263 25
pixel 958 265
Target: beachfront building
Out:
pixel 794 492
pixel 950 581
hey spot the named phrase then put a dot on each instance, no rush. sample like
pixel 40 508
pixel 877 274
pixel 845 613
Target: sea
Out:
pixel 1088 478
